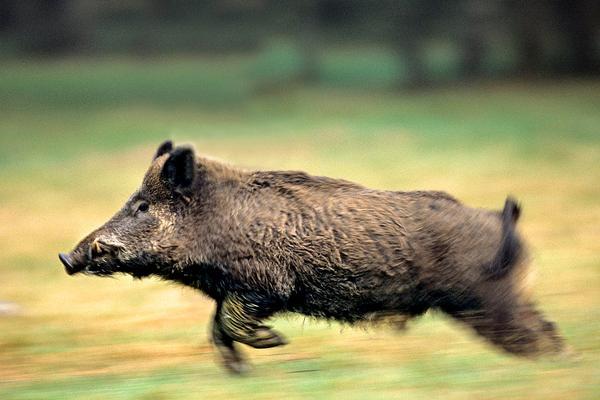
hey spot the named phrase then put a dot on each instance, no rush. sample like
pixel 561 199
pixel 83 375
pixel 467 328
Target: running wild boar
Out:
pixel 268 242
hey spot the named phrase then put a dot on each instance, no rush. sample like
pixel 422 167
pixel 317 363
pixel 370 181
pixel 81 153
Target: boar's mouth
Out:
pixel 98 270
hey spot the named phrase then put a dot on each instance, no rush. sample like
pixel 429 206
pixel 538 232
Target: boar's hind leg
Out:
pixel 240 319
pixel 512 324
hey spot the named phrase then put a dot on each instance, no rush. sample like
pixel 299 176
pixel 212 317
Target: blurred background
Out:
pixel 477 98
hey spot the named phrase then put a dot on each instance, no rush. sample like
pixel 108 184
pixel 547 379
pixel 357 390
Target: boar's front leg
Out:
pixel 232 359
pixel 240 319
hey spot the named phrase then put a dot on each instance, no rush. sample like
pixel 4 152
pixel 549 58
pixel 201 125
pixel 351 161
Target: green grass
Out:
pixel 77 135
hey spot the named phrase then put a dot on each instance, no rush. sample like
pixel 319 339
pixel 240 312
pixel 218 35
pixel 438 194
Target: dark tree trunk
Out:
pixel 476 16
pixel 527 15
pixel 577 20
pixel 408 26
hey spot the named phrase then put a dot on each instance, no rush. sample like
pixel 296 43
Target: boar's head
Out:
pixel 145 236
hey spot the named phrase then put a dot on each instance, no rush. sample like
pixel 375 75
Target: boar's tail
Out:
pixel 510 248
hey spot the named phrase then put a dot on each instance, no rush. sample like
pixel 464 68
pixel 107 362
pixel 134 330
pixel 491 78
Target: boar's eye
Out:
pixel 143 207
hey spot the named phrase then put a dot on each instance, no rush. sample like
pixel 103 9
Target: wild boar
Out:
pixel 267 242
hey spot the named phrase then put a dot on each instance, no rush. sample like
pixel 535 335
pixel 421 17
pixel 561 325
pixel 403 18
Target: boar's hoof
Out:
pixel 232 360
pixel 237 367
pixel 265 337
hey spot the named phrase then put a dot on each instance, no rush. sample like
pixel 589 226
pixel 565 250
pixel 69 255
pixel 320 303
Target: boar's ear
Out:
pixel 179 169
pixel 164 148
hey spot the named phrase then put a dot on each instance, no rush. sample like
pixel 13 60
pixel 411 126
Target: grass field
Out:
pixel 75 139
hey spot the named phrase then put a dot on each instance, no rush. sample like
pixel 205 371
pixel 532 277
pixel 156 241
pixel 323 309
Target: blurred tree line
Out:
pixel 548 38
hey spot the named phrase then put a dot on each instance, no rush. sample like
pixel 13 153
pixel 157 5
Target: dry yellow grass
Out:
pixel 117 331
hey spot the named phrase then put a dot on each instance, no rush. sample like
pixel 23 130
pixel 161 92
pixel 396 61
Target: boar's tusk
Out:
pixel 95 249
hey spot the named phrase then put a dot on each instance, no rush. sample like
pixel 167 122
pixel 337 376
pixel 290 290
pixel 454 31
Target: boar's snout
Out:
pixel 68 262
pixel 88 254
pixel 77 260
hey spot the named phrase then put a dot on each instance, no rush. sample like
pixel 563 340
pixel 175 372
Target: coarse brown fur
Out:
pixel 261 243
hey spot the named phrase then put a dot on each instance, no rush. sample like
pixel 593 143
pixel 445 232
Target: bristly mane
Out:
pixel 298 178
